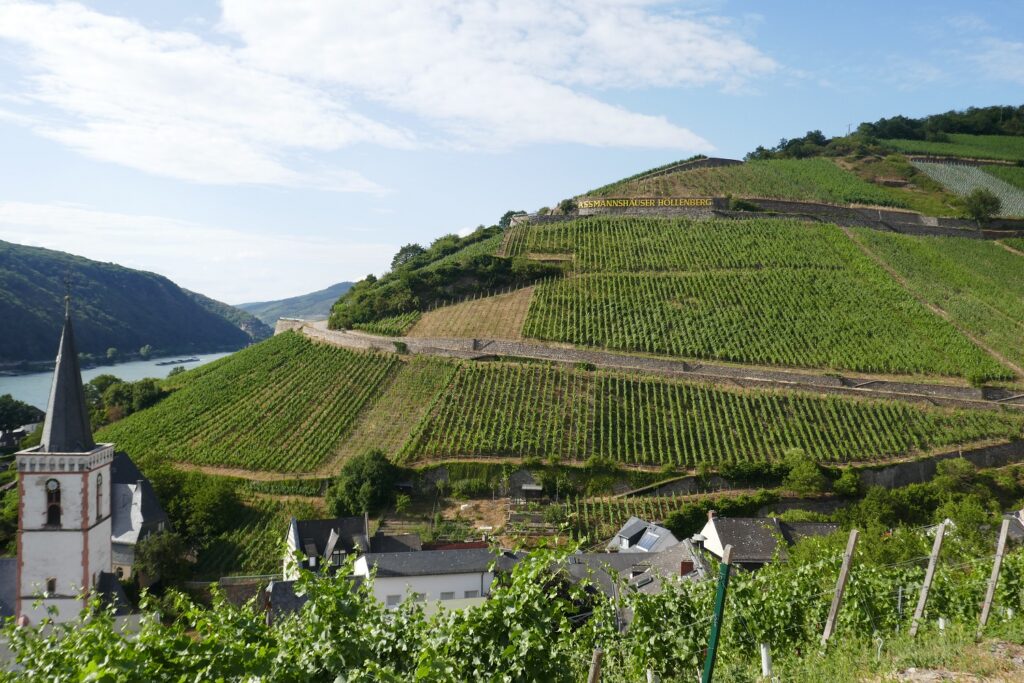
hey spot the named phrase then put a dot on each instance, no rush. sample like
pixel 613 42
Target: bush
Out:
pixel 366 484
pixel 982 205
pixel 848 484
pixel 804 477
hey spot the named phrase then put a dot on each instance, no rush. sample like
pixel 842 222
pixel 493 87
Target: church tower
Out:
pixel 64 486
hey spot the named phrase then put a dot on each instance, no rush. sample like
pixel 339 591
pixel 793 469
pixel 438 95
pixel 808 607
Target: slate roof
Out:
pixel 432 562
pixel 754 539
pixel 112 593
pixel 135 509
pixel 67 428
pixel 642 536
pixel 316 532
pixel 398 543
pixel 8 586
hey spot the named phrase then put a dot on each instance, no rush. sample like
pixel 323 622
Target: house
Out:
pixel 755 540
pixel 433 575
pixel 136 513
pixel 639 536
pixel 326 543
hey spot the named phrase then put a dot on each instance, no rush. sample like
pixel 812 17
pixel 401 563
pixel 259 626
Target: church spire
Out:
pixel 67 427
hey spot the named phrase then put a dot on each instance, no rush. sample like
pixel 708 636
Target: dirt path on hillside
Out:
pixel 239 473
pixel 936 309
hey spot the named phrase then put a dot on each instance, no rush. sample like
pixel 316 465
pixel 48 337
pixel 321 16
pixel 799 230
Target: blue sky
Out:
pixel 256 150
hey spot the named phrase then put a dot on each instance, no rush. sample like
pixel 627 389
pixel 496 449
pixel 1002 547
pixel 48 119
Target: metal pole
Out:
pixel 837 599
pixel 766 661
pixel 994 579
pixel 928 576
pixel 595 666
pixel 716 620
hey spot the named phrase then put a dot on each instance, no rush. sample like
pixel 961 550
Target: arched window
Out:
pixel 52 502
pixel 99 496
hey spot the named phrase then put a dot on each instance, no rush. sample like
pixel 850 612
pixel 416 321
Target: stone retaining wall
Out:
pixel 759 378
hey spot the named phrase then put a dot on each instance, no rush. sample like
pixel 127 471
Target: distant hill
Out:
pixel 114 307
pixel 311 306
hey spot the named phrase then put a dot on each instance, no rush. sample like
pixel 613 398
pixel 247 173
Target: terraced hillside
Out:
pixel 292 405
pixel 1004 147
pixel 758 291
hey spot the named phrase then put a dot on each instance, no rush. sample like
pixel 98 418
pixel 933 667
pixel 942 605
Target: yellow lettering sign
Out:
pixel 631 202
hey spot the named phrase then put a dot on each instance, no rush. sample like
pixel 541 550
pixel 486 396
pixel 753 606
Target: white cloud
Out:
pixel 1000 60
pixel 229 265
pixel 291 76
pixel 502 74
pixel 171 104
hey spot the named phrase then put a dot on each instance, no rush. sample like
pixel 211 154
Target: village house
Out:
pixel 755 540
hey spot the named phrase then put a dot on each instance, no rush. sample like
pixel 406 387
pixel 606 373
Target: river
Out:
pixel 34 388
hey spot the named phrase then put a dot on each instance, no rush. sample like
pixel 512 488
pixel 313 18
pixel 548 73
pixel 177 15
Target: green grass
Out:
pixel 978 283
pixel 763 292
pixel 817 179
pixel 537 410
pixel 1014 175
pixel 282 405
pixel 1002 147
pixel 1015 242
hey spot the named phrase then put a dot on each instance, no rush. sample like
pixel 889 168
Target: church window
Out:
pixel 51 586
pixel 99 496
pixel 52 502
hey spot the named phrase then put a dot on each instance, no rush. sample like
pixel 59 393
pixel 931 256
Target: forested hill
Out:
pixel 310 306
pixel 115 307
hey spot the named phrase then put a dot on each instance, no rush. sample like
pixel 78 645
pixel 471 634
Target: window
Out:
pixel 337 557
pixel 120 573
pixel 51 586
pixel 447 596
pixel 471 594
pixel 393 600
pixel 99 496
pixel 52 502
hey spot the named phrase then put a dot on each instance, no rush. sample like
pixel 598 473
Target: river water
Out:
pixel 34 388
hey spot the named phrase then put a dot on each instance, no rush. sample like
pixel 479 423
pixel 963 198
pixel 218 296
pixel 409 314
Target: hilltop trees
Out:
pixel 406 254
pixel 14 413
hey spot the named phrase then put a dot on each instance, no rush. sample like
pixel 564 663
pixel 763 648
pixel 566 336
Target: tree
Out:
pixel 365 484
pixel 848 484
pixel 145 393
pixel 406 254
pixel 567 206
pixel 112 353
pixel 982 205
pixel 146 351
pixel 804 475
pixel 14 413
pixel 506 218
pixel 177 370
pixel 163 556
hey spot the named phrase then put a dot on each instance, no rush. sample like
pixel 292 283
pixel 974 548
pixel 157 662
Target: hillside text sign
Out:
pixel 629 202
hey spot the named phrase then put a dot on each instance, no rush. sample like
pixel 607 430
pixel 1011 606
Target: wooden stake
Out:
pixel 837 599
pixel 716 619
pixel 990 593
pixel 595 666
pixel 928 576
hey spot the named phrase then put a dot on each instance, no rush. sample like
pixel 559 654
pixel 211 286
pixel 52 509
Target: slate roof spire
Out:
pixel 67 428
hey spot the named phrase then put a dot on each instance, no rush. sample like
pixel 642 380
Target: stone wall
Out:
pixel 922 470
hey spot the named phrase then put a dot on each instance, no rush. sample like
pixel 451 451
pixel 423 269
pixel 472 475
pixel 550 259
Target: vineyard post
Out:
pixel 766 661
pixel 928 576
pixel 837 599
pixel 994 579
pixel 716 619
pixel 595 666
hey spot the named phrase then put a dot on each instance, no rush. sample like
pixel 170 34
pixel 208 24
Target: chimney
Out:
pixel 711 515
pixel 685 567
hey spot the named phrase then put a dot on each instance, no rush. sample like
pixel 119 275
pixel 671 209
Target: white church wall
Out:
pixel 34 499
pixel 51 554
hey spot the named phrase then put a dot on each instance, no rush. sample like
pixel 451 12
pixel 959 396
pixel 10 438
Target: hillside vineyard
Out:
pixel 757 291
pixel 289 404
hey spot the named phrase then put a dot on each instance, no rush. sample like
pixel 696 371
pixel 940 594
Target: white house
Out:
pixel 429 575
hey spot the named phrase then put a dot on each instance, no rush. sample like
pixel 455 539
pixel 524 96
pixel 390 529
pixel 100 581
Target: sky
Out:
pixel 257 149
